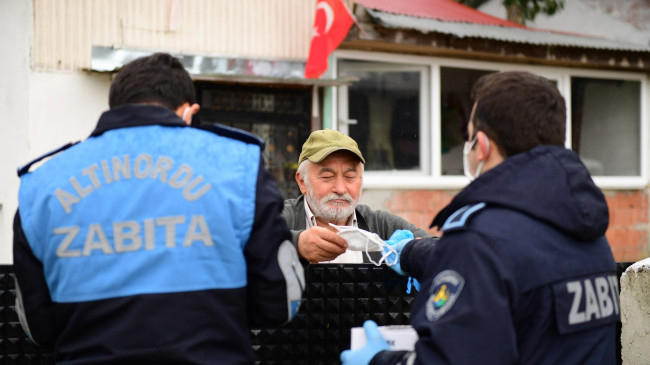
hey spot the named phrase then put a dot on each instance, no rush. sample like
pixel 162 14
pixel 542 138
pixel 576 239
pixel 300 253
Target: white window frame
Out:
pixel 425 128
pixel 430 178
pixel 617 182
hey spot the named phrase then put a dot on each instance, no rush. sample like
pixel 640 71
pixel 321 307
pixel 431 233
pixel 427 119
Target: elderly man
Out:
pixel 330 175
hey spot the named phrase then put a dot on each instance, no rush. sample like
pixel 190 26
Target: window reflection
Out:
pixel 387 114
pixel 456 106
pixel 386 107
pixel 605 117
pixel 279 115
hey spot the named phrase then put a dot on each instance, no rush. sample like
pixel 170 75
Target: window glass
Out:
pixel 281 116
pixel 455 108
pixel 386 112
pixel 605 125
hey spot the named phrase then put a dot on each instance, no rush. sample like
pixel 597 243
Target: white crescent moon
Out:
pixel 329 15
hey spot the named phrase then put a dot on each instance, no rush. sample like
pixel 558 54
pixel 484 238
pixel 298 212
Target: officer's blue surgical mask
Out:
pixel 466 149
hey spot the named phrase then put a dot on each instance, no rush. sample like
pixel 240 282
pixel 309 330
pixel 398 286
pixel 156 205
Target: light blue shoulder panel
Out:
pixel 459 218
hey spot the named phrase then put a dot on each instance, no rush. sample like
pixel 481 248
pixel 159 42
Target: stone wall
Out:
pixel 635 314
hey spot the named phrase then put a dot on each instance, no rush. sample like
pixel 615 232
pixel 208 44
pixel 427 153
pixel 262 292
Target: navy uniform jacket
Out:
pixel 153 242
pixel 523 273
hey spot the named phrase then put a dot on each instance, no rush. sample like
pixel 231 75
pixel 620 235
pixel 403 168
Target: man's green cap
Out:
pixel 322 143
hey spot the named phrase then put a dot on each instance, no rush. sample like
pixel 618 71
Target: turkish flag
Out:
pixel 331 24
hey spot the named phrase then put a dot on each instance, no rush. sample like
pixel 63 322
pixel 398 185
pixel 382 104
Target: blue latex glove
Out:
pixel 413 282
pixel 375 343
pixel 397 241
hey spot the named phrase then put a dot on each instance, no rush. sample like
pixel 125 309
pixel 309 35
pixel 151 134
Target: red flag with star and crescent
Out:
pixel 331 24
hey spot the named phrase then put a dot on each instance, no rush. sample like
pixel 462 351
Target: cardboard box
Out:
pixel 398 337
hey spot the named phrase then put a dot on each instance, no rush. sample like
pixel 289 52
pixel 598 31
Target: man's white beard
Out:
pixel 331 214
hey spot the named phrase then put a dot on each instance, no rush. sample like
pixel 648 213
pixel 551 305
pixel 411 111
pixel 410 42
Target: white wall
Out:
pixel 64 108
pixel 38 111
pixel 15 37
pixel 56 109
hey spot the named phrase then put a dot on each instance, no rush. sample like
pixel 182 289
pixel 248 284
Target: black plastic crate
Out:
pixel 337 298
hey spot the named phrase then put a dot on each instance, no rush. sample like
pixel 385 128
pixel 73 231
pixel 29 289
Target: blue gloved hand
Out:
pixel 412 282
pixel 375 343
pixel 397 241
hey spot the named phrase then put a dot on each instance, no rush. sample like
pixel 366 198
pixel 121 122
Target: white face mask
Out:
pixel 362 240
pixel 187 110
pixel 466 149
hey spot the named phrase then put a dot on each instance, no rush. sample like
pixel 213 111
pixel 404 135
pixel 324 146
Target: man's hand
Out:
pixel 375 343
pixel 320 244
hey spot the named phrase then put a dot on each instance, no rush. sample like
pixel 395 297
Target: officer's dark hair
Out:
pixel 519 110
pixel 156 79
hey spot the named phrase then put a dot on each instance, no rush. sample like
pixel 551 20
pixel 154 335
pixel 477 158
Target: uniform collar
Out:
pixel 135 115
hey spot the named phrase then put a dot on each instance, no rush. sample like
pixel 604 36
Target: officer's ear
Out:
pixel 186 110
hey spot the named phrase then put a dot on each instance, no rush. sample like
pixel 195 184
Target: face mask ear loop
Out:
pixel 391 251
pixel 368 254
pixel 386 255
pixel 487 152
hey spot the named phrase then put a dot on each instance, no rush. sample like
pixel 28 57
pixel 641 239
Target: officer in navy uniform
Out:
pixel 153 241
pixel 523 273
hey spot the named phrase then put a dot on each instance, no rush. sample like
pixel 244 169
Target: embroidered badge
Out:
pixel 444 292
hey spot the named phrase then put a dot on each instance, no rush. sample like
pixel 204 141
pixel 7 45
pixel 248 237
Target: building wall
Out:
pixel 55 109
pixel 65 30
pixel 628 212
pixel 39 111
pixel 15 36
pixel 628 224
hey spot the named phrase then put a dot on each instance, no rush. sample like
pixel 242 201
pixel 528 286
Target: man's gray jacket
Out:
pixel 377 221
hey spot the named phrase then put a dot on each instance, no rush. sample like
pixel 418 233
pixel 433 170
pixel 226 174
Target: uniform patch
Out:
pixel 587 302
pixel 446 288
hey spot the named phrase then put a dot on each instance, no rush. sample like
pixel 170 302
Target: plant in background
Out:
pixel 519 11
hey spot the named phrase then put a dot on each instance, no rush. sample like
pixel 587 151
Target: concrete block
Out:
pixel 635 314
